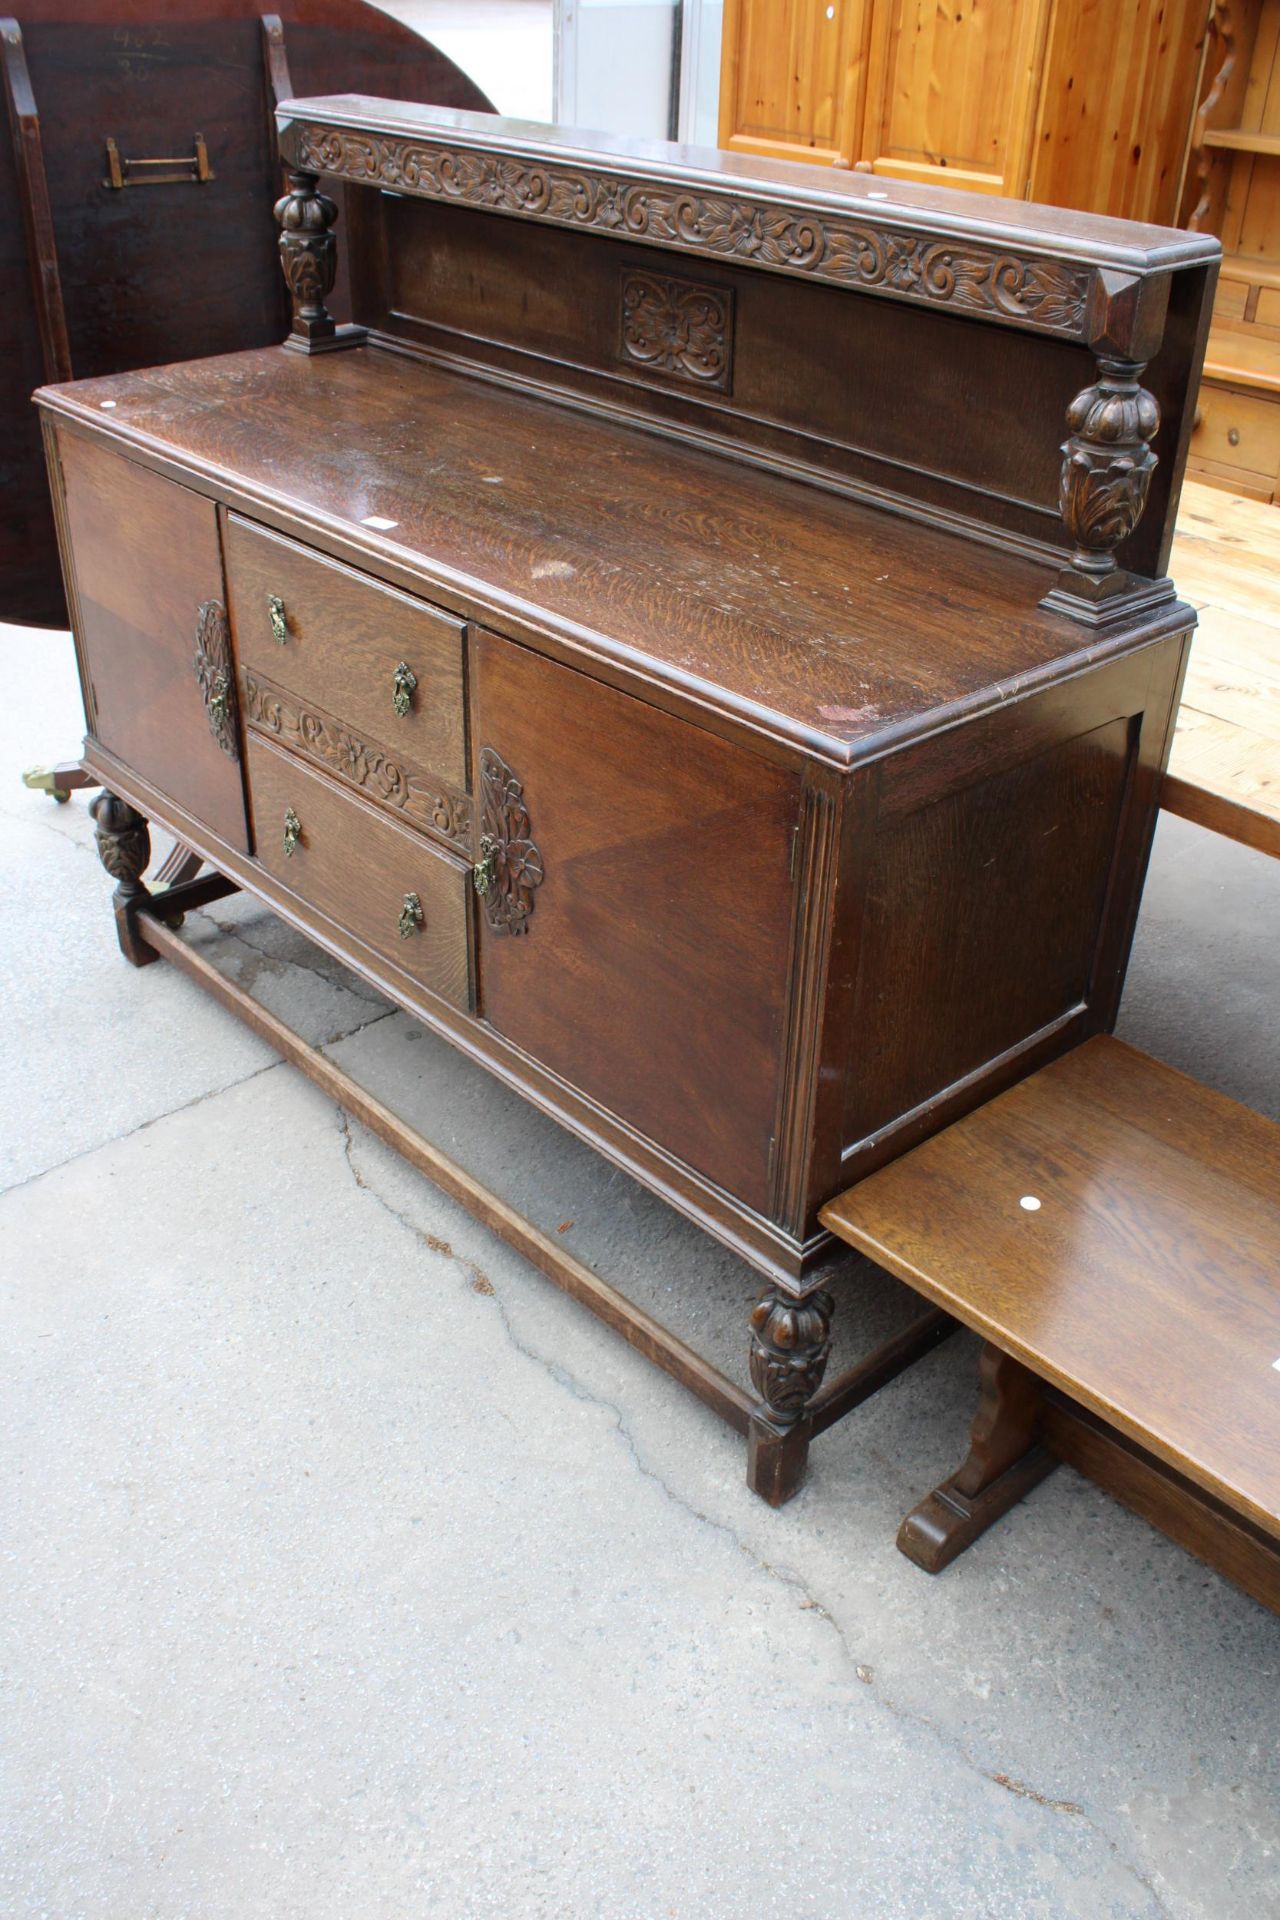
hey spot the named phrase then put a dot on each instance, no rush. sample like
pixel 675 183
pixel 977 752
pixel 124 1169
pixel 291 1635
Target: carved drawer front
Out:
pixel 388 887
pixel 367 660
pixel 151 630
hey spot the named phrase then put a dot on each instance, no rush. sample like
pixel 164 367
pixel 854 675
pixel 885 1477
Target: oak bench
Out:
pixel 1112 1230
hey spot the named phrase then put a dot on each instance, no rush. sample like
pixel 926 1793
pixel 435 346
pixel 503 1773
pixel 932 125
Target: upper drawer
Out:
pixel 342 641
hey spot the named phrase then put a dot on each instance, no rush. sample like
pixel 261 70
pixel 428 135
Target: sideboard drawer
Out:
pixel 363 871
pixel 380 661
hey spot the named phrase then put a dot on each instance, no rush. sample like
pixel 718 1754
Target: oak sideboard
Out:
pixel 699 639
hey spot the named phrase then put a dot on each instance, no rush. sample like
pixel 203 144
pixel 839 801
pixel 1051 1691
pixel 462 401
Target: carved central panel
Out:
pixel 678 329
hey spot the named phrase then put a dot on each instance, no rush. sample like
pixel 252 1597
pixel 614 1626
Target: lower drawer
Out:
pixel 387 886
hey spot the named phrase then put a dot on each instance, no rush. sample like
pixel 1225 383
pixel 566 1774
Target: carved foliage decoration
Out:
pixel 215 676
pixel 124 840
pixel 1107 463
pixel 790 1346
pixel 308 252
pixel 331 744
pixel 677 328
pixel 849 250
pixel 510 861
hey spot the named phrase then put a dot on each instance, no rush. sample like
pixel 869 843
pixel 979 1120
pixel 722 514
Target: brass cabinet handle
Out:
pixel 411 915
pixel 485 868
pixel 279 625
pixel 292 832
pixel 403 684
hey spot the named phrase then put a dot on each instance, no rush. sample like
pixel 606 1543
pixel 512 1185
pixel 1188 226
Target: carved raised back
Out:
pixel 919 346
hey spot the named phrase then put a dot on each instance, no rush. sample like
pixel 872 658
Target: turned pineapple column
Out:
pixel 309 262
pixel 790 1347
pixel 1107 457
pixel 124 848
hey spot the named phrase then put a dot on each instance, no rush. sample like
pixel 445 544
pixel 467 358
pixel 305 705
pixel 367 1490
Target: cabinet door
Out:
pixel 652 970
pixel 145 559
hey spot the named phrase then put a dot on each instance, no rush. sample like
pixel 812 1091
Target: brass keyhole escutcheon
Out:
pixel 485 868
pixel 292 832
pixel 279 625
pixel 404 682
pixel 411 915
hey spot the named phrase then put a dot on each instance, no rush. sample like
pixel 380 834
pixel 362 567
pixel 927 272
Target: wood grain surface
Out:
pixel 1145 1283
pixel 836 626
pixel 357 867
pixel 146 558
pixel 345 636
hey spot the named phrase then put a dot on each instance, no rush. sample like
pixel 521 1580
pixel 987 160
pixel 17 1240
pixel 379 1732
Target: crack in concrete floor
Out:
pixel 480 1283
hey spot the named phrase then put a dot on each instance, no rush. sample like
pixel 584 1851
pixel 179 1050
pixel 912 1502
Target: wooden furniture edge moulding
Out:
pixel 1110 295
pixel 1106 474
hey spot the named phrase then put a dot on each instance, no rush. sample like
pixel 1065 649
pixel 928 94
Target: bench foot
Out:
pixel 790 1347
pixel 1004 1463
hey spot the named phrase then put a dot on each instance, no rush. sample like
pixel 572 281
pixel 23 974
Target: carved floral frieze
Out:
pixel 365 765
pixel 850 251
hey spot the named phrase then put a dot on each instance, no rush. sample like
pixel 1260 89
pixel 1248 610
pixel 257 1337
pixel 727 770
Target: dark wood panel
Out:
pixel 345 637
pixel 151 274
pixel 834 624
pixel 982 914
pixel 807 365
pixel 146 557
pixel 654 971
pixel 359 868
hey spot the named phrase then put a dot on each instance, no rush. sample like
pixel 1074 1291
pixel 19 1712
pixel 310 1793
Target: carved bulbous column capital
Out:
pixel 1107 463
pixel 124 842
pixel 308 255
pixel 790 1346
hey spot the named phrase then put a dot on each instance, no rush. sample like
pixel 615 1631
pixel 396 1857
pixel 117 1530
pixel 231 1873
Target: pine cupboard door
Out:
pixel 636 935
pixel 145 560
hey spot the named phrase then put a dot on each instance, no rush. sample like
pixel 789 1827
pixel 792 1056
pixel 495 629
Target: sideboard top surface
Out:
pixel 1065 233
pixel 835 626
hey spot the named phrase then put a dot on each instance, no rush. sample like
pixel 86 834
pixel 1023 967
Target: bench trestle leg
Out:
pixel 1004 1463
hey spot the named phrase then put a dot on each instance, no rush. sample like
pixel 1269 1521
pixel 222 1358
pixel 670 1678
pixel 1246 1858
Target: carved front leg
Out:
pixel 1004 1462
pixel 124 848
pixel 790 1346
pixel 1107 464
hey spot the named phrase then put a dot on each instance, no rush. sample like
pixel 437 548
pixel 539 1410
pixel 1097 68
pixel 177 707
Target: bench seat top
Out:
pixel 1146 1284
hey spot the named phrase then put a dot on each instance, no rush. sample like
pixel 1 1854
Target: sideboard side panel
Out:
pixel 653 974
pixel 145 556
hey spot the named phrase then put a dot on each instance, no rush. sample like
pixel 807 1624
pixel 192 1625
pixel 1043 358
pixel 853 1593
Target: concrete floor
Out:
pixel 351 1571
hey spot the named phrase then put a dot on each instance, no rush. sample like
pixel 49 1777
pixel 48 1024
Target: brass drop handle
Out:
pixel 219 697
pixel 403 684
pixel 292 832
pixel 411 916
pixel 279 624
pixel 485 869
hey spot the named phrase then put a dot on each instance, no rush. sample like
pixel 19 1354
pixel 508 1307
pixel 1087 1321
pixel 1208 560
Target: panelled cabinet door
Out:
pixel 635 928
pixel 151 629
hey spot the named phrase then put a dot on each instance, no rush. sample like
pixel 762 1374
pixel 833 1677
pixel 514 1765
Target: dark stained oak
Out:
pixel 345 639
pixel 837 626
pixel 359 867
pixel 672 850
pixel 656 654
pixel 145 560
pixel 1145 1287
